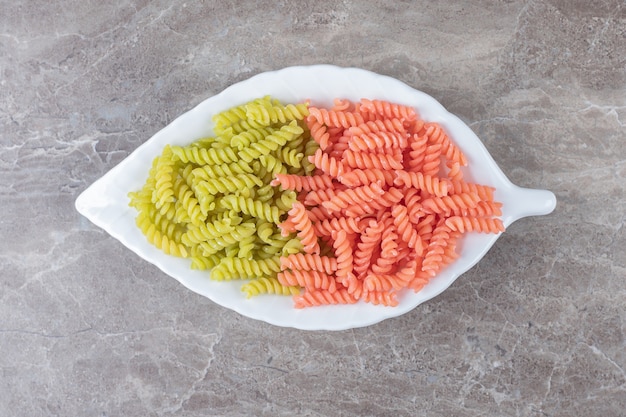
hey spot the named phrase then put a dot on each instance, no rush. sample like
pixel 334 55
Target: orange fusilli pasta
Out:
pixel 384 207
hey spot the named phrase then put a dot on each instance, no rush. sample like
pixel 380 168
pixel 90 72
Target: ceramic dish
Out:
pixel 105 202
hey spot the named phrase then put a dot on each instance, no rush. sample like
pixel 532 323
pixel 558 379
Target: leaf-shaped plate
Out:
pixel 105 202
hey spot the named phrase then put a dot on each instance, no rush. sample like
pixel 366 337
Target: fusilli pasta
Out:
pixel 330 206
pixel 386 201
pixel 211 201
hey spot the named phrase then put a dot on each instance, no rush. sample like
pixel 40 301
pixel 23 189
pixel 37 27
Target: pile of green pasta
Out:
pixel 212 201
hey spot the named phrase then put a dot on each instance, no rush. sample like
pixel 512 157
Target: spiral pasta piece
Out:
pixel 321 297
pixel 407 232
pixel 370 160
pixel 205 231
pixel 358 177
pixel 310 147
pixel 417 153
pixel 349 224
pixel 318 213
pixel 354 197
pixel 281 245
pixel 241 268
pixel 483 209
pixel 226 133
pixel 388 282
pixel 319 133
pixel 226 240
pixel 377 140
pixel 162 224
pixel 267 285
pixel 428 183
pixel 304 228
pixel 300 183
pixel 425 225
pixel 435 134
pixel 310 279
pixel 475 224
pixel 338 147
pixel 412 201
pixel 163 194
pixel 272 164
pixel 290 157
pixel 449 203
pixel 189 206
pixel 264 194
pixel 292 246
pixel 206 172
pixel 247 245
pixel 268 113
pixel 309 262
pixel 201 262
pixel 343 250
pixel 332 118
pixel 389 241
pixel 388 198
pixel 342 105
pixel 366 248
pixel 327 164
pixel 265 230
pixel 284 201
pixel 236 114
pixel 419 281
pixel 271 142
pixel 243 139
pixel 483 192
pixel 380 125
pixel 315 197
pixel 388 110
pixel 205 156
pixel 433 258
pixel 389 299
pixel 432 160
pixel 455 172
pixel 252 207
pixel 163 240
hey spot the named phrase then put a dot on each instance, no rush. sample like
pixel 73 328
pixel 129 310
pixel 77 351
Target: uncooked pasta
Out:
pixel 353 203
pixel 387 200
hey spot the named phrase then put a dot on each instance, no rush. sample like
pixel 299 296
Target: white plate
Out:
pixel 105 202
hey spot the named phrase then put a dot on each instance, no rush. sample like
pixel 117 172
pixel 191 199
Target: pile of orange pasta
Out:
pixel 384 208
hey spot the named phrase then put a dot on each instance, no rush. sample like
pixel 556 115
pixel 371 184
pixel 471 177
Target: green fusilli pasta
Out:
pixel 212 202
pixel 291 157
pixel 252 207
pixel 268 113
pixel 232 268
pixel 271 142
pixel 205 156
pixel 268 286
pixel 245 138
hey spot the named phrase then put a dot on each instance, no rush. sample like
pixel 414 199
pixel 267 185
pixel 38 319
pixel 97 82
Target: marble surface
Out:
pixel 538 328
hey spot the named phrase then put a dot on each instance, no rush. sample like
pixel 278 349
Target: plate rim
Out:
pixel 83 207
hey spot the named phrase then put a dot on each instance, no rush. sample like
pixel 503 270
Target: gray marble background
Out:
pixel 538 328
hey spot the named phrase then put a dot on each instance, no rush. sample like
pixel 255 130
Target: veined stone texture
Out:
pixel 537 328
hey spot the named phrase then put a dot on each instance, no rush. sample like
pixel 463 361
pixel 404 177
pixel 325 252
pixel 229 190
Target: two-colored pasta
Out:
pixel 357 202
